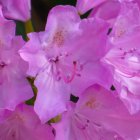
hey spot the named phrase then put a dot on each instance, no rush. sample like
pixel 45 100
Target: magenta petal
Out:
pixel 52 96
pixel 130 100
pixel 127 22
pixel 32 53
pixel 94 73
pixel 109 15
pixel 114 114
pixel 16 9
pixel 7 30
pixel 57 18
pixel 23 124
pixel 57 57
pixel 14 86
pixel 124 57
pixel 99 114
pixel 85 5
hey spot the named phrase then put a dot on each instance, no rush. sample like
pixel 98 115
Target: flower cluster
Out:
pixel 81 74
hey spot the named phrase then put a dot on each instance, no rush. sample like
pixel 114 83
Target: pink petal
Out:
pixel 14 86
pixel 85 5
pixel 52 96
pixel 16 9
pixel 23 124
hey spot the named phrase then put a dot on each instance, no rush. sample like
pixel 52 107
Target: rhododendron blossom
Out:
pixel 124 56
pixel 23 124
pixel 14 86
pixel 70 70
pixel 12 68
pixel 109 15
pixel 61 62
pixel 98 115
pixel 84 5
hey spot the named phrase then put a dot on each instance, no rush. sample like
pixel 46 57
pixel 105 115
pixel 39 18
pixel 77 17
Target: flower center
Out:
pixel 132 55
pixel 91 103
pixel 58 38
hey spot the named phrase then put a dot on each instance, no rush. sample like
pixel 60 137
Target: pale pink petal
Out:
pixel 85 5
pixel 16 9
pixel 108 11
pixel 99 114
pixel 14 86
pixel 23 124
pixel 106 109
pixel 52 96
pixel 32 53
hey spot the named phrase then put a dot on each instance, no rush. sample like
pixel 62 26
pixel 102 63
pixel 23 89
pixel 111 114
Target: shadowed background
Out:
pixel 41 8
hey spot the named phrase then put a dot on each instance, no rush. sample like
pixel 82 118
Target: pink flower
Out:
pixel 108 10
pixel 84 5
pixel 124 55
pixel 14 86
pixel 23 124
pixel 12 67
pixel 16 9
pixel 65 58
pixel 113 8
pixel 7 30
pixel 126 23
pixel 99 114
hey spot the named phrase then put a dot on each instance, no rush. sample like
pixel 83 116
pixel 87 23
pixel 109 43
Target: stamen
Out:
pixel 69 79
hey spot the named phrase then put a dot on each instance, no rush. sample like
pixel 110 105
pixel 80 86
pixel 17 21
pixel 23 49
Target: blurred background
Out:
pixel 41 8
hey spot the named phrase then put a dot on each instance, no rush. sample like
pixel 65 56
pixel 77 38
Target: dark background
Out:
pixel 41 8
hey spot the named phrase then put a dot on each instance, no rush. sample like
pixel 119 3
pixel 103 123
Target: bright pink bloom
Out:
pixel 108 11
pixel 99 114
pixel 12 67
pixel 104 9
pixel 65 58
pixel 16 9
pixel 126 23
pixel 124 55
pixel 7 30
pixel 23 124
pixel 14 86
pixel 84 5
